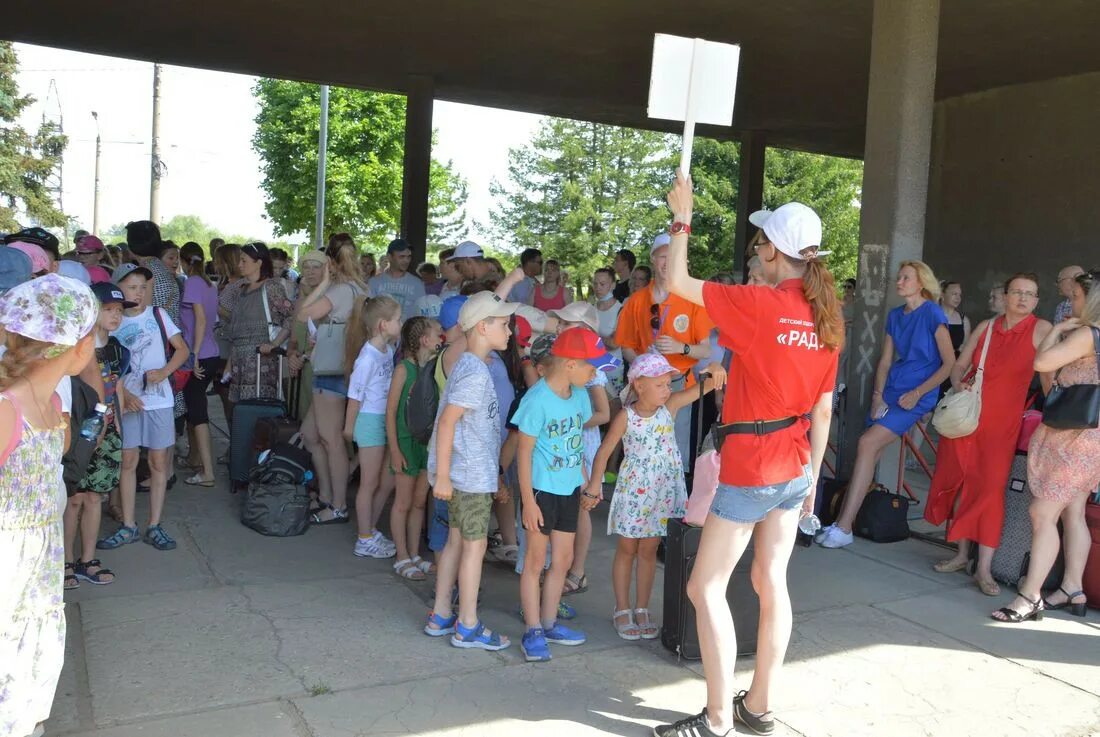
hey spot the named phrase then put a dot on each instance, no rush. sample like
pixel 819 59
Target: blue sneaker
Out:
pixel 158 538
pixel 559 634
pixel 534 646
pixel 123 536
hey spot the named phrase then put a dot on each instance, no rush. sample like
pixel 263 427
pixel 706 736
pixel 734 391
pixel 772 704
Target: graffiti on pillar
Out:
pixel 873 264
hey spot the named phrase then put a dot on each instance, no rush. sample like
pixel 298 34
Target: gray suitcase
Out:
pixel 1016 532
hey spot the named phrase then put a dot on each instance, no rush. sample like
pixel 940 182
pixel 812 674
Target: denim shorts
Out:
pixel 751 504
pixel 370 430
pixel 334 384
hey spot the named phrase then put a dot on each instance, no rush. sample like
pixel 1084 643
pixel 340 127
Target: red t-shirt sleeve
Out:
pixel 734 310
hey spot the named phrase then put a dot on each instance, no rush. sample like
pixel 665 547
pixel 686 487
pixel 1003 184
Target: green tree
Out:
pixel 26 160
pixel 830 185
pixel 446 206
pixel 581 191
pixel 364 163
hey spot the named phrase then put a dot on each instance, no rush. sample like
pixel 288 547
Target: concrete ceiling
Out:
pixel 804 63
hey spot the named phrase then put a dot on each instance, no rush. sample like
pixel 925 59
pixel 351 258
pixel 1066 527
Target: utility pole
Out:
pixel 157 166
pixel 322 153
pixel 98 151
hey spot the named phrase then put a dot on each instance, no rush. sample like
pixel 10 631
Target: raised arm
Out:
pixel 680 282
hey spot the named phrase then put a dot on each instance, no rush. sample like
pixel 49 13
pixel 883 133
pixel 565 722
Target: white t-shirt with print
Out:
pixel 370 379
pixel 141 335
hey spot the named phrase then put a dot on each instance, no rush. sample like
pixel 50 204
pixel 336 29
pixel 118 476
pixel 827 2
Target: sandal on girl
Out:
pixel 478 638
pixel 426 566
pixel 574 585
pixel 197 480
pixel 407 569
pixel 649 629
pixel 1011 616
pixel 71 581
pixel 628 630
pixel 1077 609
pixel 100 577
pixel 443 625
pixel 339 516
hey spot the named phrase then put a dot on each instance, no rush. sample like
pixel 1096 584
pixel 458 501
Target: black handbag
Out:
pixel 1074 407
pixel 883 517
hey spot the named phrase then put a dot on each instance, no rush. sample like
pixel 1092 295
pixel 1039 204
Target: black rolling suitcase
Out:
pixel 678 633
pixel 1011 558
pixel 242 443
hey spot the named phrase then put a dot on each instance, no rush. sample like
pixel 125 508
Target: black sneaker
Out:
pixel 756 723
pixel 695 726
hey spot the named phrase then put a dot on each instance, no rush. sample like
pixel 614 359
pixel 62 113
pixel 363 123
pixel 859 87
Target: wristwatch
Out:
pixel 687 349
pixel 678 227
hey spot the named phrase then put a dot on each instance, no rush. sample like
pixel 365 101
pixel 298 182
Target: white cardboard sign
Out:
pixel 694 81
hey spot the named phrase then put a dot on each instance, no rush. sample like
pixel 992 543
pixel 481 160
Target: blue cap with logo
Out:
pixel 107 293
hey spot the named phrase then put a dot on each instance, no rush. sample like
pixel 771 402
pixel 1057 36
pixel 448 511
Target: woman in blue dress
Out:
pixel 917 356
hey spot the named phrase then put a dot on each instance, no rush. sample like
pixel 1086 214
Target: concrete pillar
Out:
pixel 904 39
pixel 750 196
pixel 418 162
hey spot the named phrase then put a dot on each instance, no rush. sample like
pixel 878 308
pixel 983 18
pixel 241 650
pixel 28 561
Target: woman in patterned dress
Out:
pixel 252 326
pixel 1063 466
pixel 47 324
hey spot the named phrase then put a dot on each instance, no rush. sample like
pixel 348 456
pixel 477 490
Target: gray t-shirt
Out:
pixel 405 290
pixel 476 454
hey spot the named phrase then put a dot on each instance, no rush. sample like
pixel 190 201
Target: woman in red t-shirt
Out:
pixel 785 340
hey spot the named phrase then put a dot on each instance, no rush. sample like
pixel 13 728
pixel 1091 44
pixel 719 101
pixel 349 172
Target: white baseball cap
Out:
pixel 660 241
pixel 792 228
pixel 467 249
pixel 581 312
pixel 482 306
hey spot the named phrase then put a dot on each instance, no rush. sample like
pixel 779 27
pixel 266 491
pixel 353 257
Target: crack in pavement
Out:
pixel 251 608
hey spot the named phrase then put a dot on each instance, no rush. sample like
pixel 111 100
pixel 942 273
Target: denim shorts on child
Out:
pixel 154 429
pixel 370 430
pixel 335 384
pixel 753 503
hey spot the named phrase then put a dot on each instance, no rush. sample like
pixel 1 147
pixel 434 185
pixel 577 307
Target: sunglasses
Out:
pixel 655 316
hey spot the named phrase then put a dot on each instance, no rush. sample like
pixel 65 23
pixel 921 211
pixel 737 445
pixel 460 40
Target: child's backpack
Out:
pixel 423 403
pixel 80 451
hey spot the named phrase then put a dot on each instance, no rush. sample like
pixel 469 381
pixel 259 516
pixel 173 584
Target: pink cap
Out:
pixel 98 274
pixel 39 260
pixel 89 244
pixel 650 365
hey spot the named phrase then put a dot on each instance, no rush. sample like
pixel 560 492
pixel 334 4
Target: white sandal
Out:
pixel 628 630
pixel 407 569
pixel 424 565
pixel 650 630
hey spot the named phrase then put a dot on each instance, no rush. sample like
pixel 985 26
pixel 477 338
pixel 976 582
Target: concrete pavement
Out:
pixel 237 634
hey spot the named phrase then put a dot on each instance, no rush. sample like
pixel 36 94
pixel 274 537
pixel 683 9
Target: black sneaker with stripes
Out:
pixel 695 726
pixel 756 723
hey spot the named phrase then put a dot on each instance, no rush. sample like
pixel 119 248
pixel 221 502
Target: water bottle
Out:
pixel 93 423
pixel 807 528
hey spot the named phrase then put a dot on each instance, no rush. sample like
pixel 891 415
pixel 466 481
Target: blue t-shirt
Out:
pixel 918 356
pixel 557 425
pixel 506 392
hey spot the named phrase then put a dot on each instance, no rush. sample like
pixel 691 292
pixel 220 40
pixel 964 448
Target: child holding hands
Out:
pixel 650 488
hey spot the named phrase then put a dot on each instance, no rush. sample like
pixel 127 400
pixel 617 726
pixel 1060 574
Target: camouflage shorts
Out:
pixel 105 466
pixel 470 514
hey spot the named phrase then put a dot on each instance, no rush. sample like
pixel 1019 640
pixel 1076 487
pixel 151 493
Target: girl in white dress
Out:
pixel 650 489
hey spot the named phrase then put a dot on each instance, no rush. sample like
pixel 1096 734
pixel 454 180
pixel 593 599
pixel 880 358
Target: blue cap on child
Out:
pixel 448 313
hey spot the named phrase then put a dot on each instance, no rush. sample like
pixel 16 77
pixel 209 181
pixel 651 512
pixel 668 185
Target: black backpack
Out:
pixel 80 451
pixel 422 404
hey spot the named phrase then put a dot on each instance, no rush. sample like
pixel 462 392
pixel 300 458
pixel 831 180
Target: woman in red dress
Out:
pixel 971 472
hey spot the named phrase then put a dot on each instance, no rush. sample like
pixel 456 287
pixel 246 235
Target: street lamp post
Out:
pixel 98 151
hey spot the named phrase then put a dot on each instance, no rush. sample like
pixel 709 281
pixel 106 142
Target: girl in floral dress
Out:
pixel 47 324
pixel 650 489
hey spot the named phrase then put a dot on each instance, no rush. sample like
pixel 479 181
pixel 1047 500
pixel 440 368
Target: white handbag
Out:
pixel 957 414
